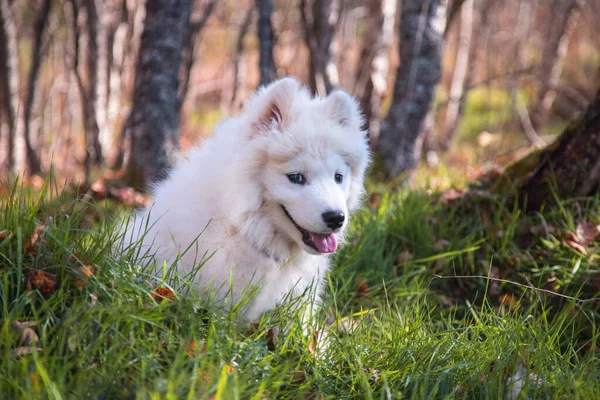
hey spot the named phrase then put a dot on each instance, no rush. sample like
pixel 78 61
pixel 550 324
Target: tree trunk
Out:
pixel 565 15
pixel 420 48
pixel 567 168
pixel 116 38
pixel 153 125
pixel 27 161
pixel 457 87
pixel 371 83
pixel 92 101
pixel 319 30
pixel 268 72
pixel 9 83
pixel 239 65
pixel 196 25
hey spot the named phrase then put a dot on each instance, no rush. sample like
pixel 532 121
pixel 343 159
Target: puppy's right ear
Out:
pixel 272 105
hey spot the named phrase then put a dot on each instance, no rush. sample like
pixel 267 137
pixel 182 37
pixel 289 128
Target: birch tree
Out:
pixel 152 129
pixel 422 25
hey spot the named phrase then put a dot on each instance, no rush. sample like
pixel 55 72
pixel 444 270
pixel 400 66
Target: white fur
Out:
pixel 232 187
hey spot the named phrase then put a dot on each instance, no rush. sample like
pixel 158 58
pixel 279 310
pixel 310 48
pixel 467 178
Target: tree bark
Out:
pixel 421 43
pixel 153 125
pixel 371 82
pixel 319 30
pixel 569 167
pixel 27 161
pixel 93 103
pixel 239 66
pixel 196 25
pixel 457 87
pixel 9 83
pixel 565 15
pixel 268 72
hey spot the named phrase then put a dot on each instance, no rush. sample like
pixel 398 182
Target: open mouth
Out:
pixel 322 242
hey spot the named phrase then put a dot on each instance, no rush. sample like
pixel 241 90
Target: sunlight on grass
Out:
pixel 394 329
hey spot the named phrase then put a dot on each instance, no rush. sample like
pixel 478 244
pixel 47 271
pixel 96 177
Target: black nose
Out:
pixel 334 219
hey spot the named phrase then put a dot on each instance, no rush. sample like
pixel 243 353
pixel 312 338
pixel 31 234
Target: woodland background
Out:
pixel 478 82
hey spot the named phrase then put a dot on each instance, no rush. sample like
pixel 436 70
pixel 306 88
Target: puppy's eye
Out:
pixel 297 178
pixel 339 178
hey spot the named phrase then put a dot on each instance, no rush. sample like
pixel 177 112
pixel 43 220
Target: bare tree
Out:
pixel 371 82
pixel 238 60
pixel 26 159
pixel 95 67
pixel 421 42
pixel 153 125
pixel 197 23
pixel 457 87
pixel 565 15
pixel 268 72
pixel 9 83
pixel 320 23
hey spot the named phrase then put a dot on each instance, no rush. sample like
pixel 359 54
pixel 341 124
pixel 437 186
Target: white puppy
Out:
pixel 265 200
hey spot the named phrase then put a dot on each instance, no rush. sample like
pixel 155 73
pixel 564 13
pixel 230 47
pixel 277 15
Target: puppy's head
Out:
pixel 314 158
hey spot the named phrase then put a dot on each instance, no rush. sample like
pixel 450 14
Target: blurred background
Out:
pixel 475 84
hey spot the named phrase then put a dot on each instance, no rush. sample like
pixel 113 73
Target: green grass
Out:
pixel 395 330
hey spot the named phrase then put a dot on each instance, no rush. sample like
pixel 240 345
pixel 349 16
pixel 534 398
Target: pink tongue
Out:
pixel 325 243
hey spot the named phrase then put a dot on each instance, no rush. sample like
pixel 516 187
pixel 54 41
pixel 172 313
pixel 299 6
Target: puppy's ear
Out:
pixel 344 109
pixel 273 104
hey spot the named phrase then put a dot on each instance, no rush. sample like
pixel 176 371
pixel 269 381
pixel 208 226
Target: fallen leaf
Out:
pixel 362 288
pixel 41 280
pixel 375 199
pixel 450 195
pixel 229 368
pixel 192 349
pixel 441 245
pixel 163 294
pixel 35 381
pixel 29 244
pixel 28 337
pixel 312 345
pixel 87 271
pixel 23 351
pixel 586 233
pixel 404 257
pixel 576 246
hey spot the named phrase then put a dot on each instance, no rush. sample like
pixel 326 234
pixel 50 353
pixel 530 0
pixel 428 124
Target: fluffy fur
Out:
pixel 232 194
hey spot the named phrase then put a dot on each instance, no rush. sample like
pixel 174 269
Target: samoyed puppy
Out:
pixel 265 201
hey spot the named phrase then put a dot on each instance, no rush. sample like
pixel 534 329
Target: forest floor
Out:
pixel 438 294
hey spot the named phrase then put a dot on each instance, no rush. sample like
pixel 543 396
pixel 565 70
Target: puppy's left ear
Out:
pixel 344 109
pixel 272 105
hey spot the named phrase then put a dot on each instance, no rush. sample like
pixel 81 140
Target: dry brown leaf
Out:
pixel 441 244
pixel 404 257
pixel 161 294
pixel 450 195
pixel 23 351
pixel 576 246
pixel 375 199
pixel 192 349
pixel 87 271
pixel 314 340
pixel 28 337
pixel 362 288
pixel 30 243
pixel 586 233
pixel 41 280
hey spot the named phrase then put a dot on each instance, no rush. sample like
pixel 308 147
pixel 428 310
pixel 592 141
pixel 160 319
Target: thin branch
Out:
pixel 489 278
